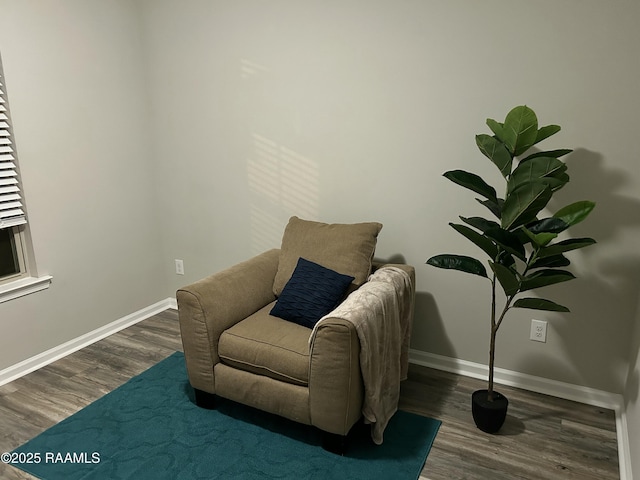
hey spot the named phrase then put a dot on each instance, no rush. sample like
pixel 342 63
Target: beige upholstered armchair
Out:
pixel 308 371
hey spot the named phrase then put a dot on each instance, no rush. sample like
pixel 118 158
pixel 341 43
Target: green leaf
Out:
pixel 507 278
pixel 497 128
pixel 520 129
pixel 480 223
pixel 542 232
pixel 459 262
pixel 523 204
pixel 558 181
pixel 495 208
pixel 472 182
pixel 549 153
pixel 540 239
pixel 565 246
pixel 546 132
pixel 575 213
pixel 542 278
pixel 522 237
pixel 509 241
pixel 551 262
pixel 477 238
pixel 506 259
pixel 494 150
pixel 539 304
pixel 537 169
pixel 549 225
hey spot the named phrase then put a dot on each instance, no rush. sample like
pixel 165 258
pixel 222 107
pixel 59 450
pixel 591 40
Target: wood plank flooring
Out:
pixel 543 437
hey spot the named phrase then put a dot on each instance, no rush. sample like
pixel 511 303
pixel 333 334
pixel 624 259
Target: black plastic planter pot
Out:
pixel 489 416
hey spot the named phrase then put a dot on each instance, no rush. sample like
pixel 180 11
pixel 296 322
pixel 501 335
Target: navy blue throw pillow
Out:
pixel 311 293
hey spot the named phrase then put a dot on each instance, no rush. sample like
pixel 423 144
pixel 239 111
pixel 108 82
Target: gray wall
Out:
pixel 75 78
pixel 351 111
pixel 194 129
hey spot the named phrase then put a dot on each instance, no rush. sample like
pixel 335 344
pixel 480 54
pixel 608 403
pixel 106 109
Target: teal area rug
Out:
pixel 150 428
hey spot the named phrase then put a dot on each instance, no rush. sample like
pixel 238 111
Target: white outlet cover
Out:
pixel 179 267
pixel 538 331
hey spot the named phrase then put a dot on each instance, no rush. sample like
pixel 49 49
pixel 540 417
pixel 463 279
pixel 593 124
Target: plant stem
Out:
pixel 492 343
pixel 495 325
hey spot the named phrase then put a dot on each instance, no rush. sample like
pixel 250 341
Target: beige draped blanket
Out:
pixel 381 312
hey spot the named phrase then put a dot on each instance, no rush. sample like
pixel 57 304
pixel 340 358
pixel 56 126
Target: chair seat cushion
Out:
pixel 268 345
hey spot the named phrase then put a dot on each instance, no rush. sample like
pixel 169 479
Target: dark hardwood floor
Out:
pixel 543 437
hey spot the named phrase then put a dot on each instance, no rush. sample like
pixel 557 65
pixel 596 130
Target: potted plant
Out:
pixel 521 242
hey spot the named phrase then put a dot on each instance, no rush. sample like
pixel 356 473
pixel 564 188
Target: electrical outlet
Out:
pixel 179 267
pixel 538 331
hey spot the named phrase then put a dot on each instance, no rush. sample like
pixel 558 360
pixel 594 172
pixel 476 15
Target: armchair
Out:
pixel 235 349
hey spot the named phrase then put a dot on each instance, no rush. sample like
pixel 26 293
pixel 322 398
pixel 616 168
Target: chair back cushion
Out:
pixel 345 248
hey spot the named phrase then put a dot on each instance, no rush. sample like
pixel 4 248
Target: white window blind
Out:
pixel 11 208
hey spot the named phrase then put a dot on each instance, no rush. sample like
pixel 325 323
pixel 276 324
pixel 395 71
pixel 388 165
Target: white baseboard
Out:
pixel 624 448
pixel 532 383
pixel 568 391
pixel 45 358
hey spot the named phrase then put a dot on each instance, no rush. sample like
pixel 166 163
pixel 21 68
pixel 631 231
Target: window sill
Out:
pixel 24 286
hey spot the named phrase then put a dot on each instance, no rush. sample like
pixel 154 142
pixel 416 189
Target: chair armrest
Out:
pixel 212 305
pixel 335 381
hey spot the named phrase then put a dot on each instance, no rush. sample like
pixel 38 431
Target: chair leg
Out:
pixel 334 443
pixel 205 399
